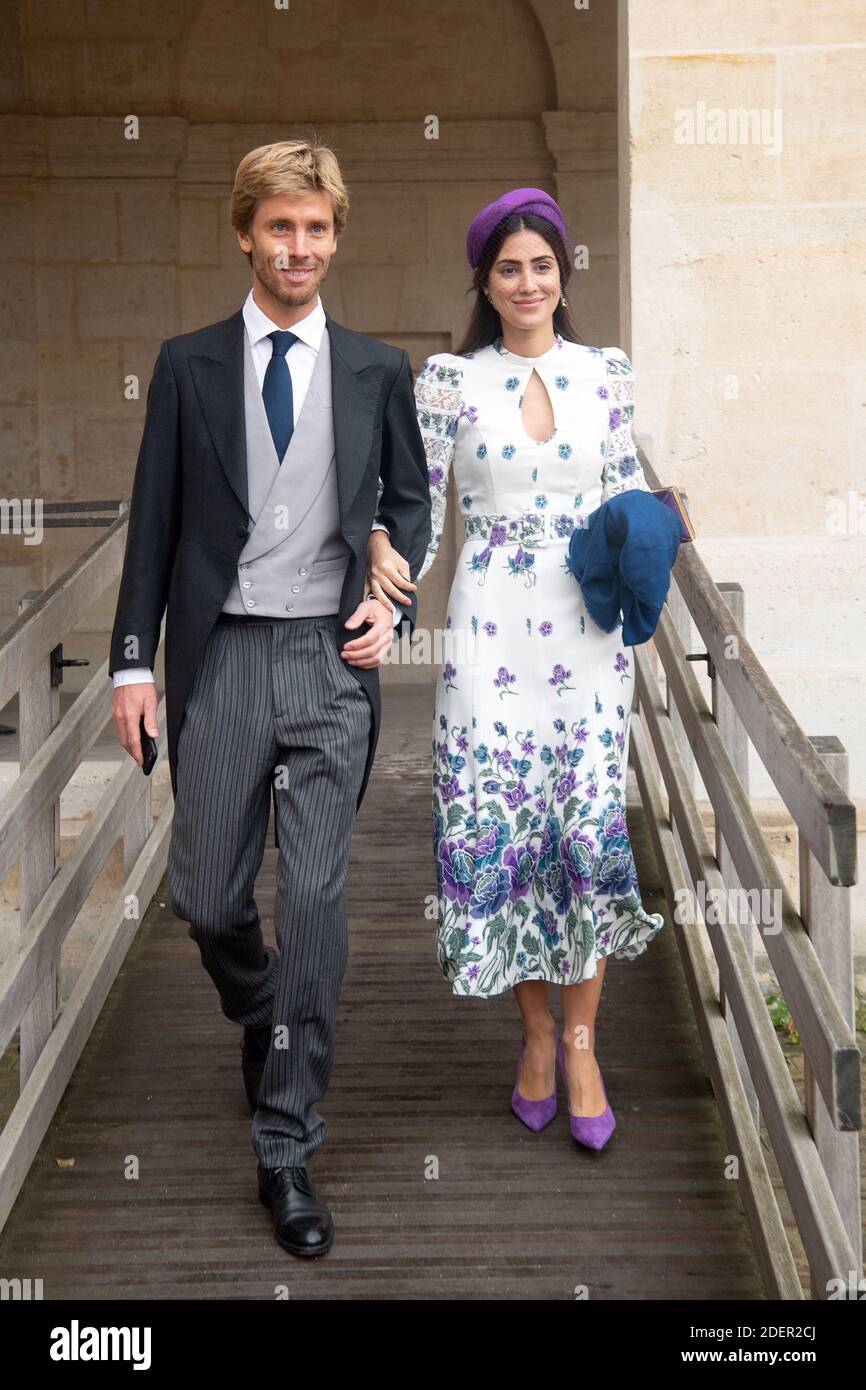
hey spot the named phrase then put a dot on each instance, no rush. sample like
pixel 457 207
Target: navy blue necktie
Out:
pixel 277 391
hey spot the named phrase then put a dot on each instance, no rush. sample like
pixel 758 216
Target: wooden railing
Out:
pixel 52 893
pixel 810 951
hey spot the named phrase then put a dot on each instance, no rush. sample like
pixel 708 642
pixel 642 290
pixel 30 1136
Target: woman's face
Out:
pixel 524 285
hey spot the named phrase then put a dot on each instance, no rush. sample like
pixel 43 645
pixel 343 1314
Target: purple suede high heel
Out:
pixel 593 1131
pixel 534 1113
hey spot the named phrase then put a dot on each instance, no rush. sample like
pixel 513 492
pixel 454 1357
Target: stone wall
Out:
pixel 744 305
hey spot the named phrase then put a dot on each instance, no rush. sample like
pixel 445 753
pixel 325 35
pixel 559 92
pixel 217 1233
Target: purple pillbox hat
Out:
pixel 518 200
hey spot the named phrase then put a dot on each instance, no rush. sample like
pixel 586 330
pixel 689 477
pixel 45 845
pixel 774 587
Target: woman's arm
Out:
pixel 621 470
pixel 438 400
pixel 404 501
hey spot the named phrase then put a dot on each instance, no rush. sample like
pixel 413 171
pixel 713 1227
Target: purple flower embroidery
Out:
pixel 516 795
pixel 566 785
pixel 457 863
pixel 502 680
pixel 545 628
pixel 490 891
pixel 449 788
pixel 559 678
pixel 577 850
pixel 448 673
pixel 490 629
pixel 522 563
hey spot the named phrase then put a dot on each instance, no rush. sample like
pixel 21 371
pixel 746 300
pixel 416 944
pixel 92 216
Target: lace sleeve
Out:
pixel 621 470
pixel 438 399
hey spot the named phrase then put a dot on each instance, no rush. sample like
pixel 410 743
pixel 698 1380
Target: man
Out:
pixel 269 441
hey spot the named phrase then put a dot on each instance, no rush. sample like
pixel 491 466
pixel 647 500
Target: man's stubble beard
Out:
pixel 284 293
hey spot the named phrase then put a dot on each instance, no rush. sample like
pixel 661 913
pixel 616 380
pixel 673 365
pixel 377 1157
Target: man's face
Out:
pixel 291 240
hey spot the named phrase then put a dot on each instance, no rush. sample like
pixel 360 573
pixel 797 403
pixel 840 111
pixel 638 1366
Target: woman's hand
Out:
pixel 388 573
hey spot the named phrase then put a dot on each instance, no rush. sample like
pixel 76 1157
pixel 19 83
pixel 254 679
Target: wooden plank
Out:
pixel 38 713
pixel 736 745
pixel 826 912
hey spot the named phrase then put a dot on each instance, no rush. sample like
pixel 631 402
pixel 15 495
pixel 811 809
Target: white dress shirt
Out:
pixel 300 360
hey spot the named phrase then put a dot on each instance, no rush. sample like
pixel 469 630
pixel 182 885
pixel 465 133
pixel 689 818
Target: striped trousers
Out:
pixel 272 707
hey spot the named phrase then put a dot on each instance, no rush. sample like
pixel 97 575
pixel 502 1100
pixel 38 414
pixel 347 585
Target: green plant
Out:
pixel 781 1016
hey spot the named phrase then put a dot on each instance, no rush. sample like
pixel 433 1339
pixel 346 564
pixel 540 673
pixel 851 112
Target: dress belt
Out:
pixel 531 529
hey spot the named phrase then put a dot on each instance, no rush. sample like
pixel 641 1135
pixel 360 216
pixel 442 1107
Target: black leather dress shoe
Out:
pixel 302 1221
pixel 254 1052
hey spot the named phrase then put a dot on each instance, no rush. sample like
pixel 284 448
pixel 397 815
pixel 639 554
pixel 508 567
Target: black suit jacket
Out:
pixel 188 517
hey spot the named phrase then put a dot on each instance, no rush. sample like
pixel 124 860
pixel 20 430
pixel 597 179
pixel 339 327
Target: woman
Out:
pixel 537 883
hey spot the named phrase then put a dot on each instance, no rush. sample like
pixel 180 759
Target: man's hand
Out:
pixel 388 570
pixel 369 649
pixel 128 704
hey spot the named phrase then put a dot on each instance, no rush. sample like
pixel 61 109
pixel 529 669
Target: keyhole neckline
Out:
pixel 547 438
pixel 503 351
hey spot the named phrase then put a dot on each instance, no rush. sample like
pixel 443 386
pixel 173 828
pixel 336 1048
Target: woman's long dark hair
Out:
pixel 485 324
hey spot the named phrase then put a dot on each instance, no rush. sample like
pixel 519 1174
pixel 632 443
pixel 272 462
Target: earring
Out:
pixel 564 302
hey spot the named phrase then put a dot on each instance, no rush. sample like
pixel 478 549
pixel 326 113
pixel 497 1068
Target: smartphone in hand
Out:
pixel 149 749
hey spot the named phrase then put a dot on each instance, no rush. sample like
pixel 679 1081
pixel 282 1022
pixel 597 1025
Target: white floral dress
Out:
pixel 536 879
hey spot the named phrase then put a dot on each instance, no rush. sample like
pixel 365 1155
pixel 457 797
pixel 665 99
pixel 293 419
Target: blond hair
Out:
pixel 293 167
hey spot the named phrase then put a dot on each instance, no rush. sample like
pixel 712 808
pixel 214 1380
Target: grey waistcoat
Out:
pixel 295 558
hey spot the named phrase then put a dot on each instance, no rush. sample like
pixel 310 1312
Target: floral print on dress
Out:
pixel 535 874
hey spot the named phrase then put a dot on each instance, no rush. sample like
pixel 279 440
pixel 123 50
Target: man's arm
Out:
pixel 404 500
pixel 154 527
pixel 151 545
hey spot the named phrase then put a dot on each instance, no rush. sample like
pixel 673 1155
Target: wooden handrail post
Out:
pixel 38 714
pixel 682 621
pixel 826 913
pixel 733 736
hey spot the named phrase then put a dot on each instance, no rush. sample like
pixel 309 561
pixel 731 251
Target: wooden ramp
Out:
pixel 421 1077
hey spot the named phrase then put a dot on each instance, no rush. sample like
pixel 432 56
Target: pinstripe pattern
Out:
pixel 272 701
